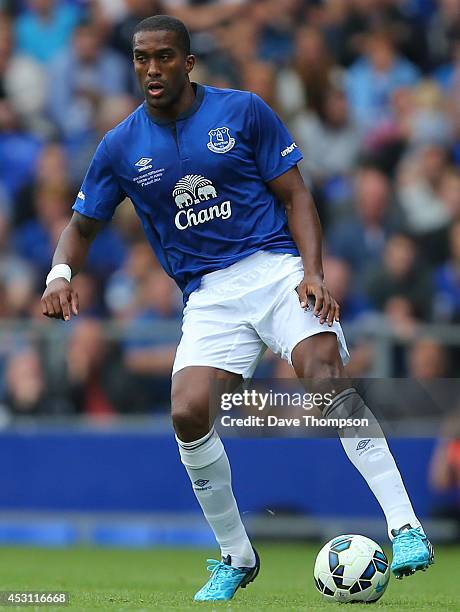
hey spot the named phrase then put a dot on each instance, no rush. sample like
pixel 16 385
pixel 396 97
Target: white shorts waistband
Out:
pixel 245 270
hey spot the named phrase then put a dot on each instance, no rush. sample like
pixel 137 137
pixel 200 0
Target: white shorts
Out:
pixel 238 311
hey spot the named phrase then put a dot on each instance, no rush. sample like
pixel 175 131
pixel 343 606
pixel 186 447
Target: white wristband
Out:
pixel 59 271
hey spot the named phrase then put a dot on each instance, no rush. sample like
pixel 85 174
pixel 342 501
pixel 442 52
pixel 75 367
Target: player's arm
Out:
pixel 60 300
pixel 305 228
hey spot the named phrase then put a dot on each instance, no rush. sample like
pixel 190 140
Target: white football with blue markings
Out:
pixel 351 568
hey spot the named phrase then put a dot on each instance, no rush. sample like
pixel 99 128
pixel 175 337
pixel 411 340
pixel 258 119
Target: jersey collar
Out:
pixel 199 96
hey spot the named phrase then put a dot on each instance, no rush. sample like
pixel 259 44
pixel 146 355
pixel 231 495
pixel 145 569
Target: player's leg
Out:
pixel 218 339
pixel 207 465
pixel 317 358
pixel 318 352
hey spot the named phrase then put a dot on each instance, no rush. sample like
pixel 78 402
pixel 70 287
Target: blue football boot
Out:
pixel 225 580
pixel 412 551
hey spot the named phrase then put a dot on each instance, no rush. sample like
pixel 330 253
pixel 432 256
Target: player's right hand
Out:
pixel 60 300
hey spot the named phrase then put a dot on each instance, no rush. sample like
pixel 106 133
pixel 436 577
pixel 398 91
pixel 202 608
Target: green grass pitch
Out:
pixel 118 580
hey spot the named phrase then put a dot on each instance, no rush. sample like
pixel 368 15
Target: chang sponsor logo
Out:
pixel 192 190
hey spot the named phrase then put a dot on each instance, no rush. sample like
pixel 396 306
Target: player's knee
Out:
pixel 323 369
pixel 190 417
pixel 323 360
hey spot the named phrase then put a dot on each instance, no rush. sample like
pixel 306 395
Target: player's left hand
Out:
pixel 325 307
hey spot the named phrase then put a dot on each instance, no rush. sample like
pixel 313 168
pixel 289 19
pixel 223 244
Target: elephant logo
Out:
pixel 207 192
pixel 193 189
pixel 220 140
pixel 183 199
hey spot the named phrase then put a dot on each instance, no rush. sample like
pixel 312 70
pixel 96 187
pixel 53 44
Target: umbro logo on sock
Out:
pixel 200 485
pixel 200 482
pixel 362 444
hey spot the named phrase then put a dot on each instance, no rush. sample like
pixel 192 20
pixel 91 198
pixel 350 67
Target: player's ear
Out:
pixel 189 63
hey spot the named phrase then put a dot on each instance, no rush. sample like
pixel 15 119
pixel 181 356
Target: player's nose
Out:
pixel 154 69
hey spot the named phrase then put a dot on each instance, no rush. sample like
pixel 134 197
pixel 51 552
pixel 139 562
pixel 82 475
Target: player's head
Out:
pixel 162 60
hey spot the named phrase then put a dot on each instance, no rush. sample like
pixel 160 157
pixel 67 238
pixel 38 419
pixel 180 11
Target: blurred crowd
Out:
pixel 369 88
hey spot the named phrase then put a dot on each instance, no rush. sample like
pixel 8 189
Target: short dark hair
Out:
pixel 167 24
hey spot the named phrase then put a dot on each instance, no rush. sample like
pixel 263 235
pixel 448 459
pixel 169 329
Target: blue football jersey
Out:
pixel 198 184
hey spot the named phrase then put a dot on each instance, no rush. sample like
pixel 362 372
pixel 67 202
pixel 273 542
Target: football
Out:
pixel 351 568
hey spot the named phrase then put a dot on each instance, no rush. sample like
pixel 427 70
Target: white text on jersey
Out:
pixel 288 149
pixel 187 218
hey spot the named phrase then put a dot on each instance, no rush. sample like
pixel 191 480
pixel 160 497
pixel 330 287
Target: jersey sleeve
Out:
pixel 100 192
pixel 274 147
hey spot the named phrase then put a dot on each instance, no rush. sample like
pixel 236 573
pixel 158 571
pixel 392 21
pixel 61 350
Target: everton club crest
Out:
pixel 220 140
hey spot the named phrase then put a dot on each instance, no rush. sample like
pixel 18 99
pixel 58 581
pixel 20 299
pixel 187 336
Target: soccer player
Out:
pixel 213 176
